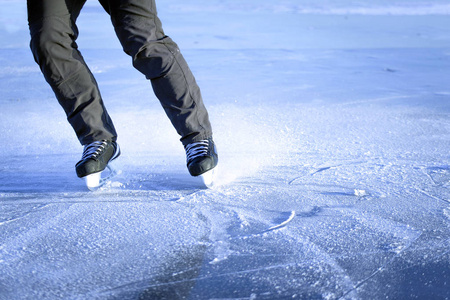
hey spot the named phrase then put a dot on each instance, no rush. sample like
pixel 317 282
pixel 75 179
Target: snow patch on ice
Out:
pixel 361 193
pixel 447 212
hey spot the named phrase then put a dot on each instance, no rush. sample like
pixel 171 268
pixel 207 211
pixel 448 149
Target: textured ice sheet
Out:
pixel 332 123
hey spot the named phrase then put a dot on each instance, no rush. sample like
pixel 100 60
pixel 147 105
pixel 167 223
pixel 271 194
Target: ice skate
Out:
pixel 96 158
pixel 202 160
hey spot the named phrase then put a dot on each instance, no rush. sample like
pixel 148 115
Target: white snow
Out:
pixel 332 124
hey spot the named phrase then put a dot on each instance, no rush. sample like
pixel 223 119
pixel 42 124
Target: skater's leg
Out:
pixel 159 59
pixel 53 34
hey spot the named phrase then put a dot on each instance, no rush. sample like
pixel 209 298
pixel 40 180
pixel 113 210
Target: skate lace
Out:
pixel 197 149
pixel 94 149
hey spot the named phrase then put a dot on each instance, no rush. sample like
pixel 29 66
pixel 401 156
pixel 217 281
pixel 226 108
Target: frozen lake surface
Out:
pixel 332 121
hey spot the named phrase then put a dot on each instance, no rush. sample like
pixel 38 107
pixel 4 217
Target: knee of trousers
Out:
pixel 156 58
pixel 51 38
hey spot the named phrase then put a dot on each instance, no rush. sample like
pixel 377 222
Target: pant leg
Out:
pixel 156 56
pixel 53 32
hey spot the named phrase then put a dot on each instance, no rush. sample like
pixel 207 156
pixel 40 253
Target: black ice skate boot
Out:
pixel 96 157
pixel 202 158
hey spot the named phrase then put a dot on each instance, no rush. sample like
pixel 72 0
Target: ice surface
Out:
pixel 332 124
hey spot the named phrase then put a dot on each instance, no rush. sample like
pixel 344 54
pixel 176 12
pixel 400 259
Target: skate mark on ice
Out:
pixel 348 192
pixel 361 166
pixel 380 269
pixel 432 196
pixel 230 224
pixel 24 214
pixel 101 196
pixel 439 176
pixel 180 268
pixel 373 100
pixel 311 173
pixel 248 225
pixel 160 287
pixel 239 226
pixel 320 169
pixel 14 245
pixel 233 227
pixel 282 224
pixel 395 229
pixel 400 238
pixel 315 264
pixel 442 244
pixel 321 257
pixel 340 190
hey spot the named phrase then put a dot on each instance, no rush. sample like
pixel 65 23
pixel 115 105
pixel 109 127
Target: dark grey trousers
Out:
pixel 53 43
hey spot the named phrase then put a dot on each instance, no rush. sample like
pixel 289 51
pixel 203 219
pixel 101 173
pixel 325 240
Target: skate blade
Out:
pixel 95 181
pixel 208 177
